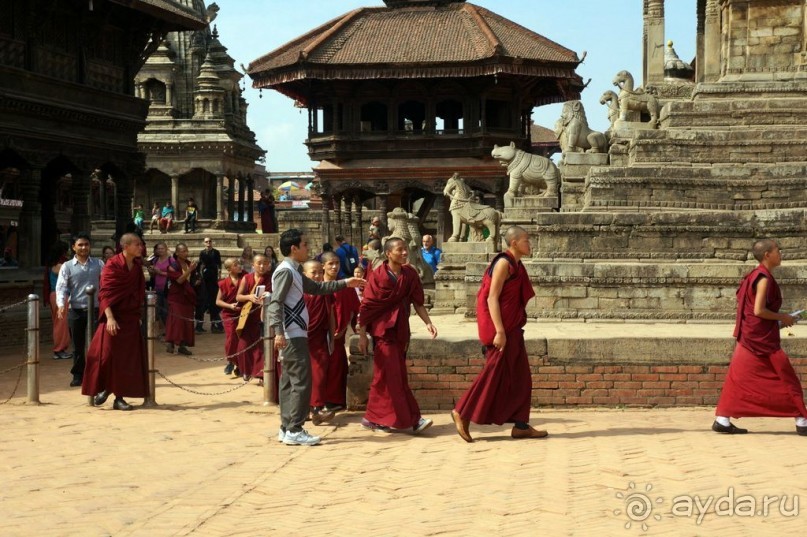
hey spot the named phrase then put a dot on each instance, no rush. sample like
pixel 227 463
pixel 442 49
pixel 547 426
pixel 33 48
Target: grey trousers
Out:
pixel 295 385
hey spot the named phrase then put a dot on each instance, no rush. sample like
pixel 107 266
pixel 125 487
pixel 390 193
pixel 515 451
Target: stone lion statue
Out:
pixel 573 131
pixel 465 212
pixel 635 99
pixel 526 169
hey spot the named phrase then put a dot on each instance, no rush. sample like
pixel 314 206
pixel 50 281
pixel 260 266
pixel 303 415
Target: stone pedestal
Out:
pixel 574 168
pixel 628 129
pixel 524 207
pixel 449 281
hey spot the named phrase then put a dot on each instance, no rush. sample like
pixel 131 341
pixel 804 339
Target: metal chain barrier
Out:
pixel 16 384
pixel 168 312
pixel 12 306
pixel 172 383
pixel 251 346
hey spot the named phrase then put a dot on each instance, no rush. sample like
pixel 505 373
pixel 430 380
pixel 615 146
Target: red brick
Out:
pixel 716 385
pixel 651 392
pixel 689 400
pixel 719 369
pixel 589 377
pixel 616 376
pixel 545 384
pixel 581 400
pixel 567 392
pixel 659 384
pixel 580 369
pixel 678 393
pixel 636 369
pixel 691 368
pixel 687 384
pixel 553 369
pixel 599 384
pixel 622 393
pixel 644 376
pixel 627 385
pixel 662 401
pixel 664 369
pixel 607 369
pixel 672 376
pixel 610 400
pixel 596 393
pixel 449 377
pixel 701 376
pixel 576 385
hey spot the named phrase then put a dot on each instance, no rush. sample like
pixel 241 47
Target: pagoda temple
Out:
pixel 401 97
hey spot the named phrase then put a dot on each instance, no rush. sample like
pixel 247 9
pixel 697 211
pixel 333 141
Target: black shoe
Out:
pixel 120 404
pixel 200 330
pixel 228 369
pixel 76 381
pixel 334 408
pixel 101 398
pixel 184 350
pixel 801 431
pixel 732 429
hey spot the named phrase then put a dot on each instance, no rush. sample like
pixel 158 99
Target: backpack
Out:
pixel 352 256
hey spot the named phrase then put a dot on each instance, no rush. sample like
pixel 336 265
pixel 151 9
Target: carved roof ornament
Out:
pixel 675 67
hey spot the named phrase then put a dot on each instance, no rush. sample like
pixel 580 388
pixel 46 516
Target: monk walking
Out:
pixel 384 313
pixel 760 381
pixel 501 393
pixel 230 310
pixel 250 291
pixel 116 359
pixel 321 327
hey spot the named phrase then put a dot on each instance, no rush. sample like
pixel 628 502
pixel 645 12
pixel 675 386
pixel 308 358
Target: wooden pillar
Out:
pixel 326 218
pixel 230 199
pixel 220 197
pixel 359 228
pixel 242 190
pixel 175 194
pixel 348 223
pixel 439 208
pixel 337 214
pixel 382 206
pixel 250 214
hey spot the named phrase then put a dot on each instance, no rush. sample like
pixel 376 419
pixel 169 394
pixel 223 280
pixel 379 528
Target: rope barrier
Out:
pixel 17 384
pixel 7 307
pixel 172 383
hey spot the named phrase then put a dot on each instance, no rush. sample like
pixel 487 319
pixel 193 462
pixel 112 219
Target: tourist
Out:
pixel 250 295
pixel 269 252
pixel 227 301
pixel 326 247
pixel 501 393
pixel 61 332
pixel 359 272
pixel 266 209
pixel 191 215
pixel 760 381
pixel 291 336
pixel 8 258
pixel 246 259
pixel 430 253
pixel 384 314
pixel 158 270
pixel 376 228
pixel 346 309
pixel 166 217
pixel 155 217
pixel 321 327
pixel 348 256
pixel 181 302
pixel 210 268
pixel 107 252
pixel 74 277
pixel 138 215
pixel 117 362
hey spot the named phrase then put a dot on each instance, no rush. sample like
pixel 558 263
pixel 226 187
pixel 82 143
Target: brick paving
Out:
pixel 211 465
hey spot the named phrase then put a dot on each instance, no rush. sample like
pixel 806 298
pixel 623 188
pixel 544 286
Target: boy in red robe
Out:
pixel 250 350
pixel 230 310
pixel 321 325
pixel 502 391
pixel 117 359
pixel 384 313
pixel 346 308
pixel 760 381
pixel 179 332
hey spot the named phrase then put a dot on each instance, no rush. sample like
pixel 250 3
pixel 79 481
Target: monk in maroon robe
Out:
pixel 391 288
pixel 760 381
pixel 230 309
pixel 321 326
pixel 346 309
pixel 250 346
pixel 181 302
pixel 117 360
pixel 502 391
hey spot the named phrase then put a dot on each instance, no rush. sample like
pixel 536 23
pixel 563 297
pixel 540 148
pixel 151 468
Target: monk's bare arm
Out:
pixel 501 270
pixel 224 305
pixel 424 315
pixel 761 306
pixel 242 296
pixel 111 323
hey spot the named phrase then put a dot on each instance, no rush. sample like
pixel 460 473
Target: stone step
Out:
pixel 751 112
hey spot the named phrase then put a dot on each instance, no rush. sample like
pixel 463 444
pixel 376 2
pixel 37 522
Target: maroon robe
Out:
pixel 229 318
pixel 319 312
pixel 502 391
pixel 385 311
pixel 250 355
pixel 760 381
pixel 346 307
pixel 181 307
pixel 119 363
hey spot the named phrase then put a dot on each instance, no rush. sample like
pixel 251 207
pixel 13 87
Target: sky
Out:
pixel 610 32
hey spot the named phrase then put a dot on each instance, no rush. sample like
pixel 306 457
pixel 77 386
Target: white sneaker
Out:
pixel 281 434
pixel 300 438
pixel 422 425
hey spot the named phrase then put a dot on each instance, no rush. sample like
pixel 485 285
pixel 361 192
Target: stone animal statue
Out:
pixel 573 131
pixel 638 100
pixel 464 211
pixel 611 100
pixel 526 169
pixel 405 226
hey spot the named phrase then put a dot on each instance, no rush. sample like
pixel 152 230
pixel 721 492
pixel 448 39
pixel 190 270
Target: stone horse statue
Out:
pixel 526 169
pixel 573 131
pixel 611 100
pixel 465 211
pixel 637 100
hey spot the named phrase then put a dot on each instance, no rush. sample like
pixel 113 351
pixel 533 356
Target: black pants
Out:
pixel 190 224
pixel 77 323
pixel 206 302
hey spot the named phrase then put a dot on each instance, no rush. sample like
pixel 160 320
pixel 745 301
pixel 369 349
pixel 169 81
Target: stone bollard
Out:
pixel 269 364
pixel 151 317
pixel 33 348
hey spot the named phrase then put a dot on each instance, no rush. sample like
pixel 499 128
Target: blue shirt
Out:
pixel 431 256
pixel 348 259
pixel 73 280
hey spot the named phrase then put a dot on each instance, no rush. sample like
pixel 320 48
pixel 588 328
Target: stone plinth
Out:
pixel 449 281
pixel 525 207
pixel 574 167
pixel 627 129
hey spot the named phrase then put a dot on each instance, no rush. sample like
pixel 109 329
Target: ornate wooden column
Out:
pixel 711 42
pixel 80 189
pixel 219 199
pixel 250 212
pixel 242 190
pixel 337 214
pixel 439 208
pixel 29 244
pixel 358 228
pixel 326 217
pixel 230 199
pixel 348 222
pixel 382 206
pixel 653 60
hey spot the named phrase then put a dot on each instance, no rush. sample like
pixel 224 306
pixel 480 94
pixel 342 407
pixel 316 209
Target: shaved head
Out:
pixel 390 244
pixel 129 238
pixel 513 233
pixel 762 247
pixel 311 265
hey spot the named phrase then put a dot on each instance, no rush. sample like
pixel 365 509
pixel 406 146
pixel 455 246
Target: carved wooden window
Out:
pixel 412 117
pixel 449 117
pixel 498 114
pixel 373 117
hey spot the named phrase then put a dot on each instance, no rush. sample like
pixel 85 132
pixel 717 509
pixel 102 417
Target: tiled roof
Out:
pixel 459 39
pixel 541 135
pixel 181 17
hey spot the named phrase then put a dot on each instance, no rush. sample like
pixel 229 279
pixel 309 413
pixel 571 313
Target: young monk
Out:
pixel 250 351
pixel 230 310
pixel 501 393
pixel 181 302
pixel 321 325
pixel 760 381
pixel 346 309
pixel 384 313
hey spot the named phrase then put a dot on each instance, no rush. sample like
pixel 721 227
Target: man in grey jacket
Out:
pixel 288 316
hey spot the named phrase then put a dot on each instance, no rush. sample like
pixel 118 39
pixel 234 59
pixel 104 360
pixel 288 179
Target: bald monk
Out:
pixel 321 326
pixel 116 359
pixel 760 381
pixel 384 313
pixel 250 351
pixel 501 393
